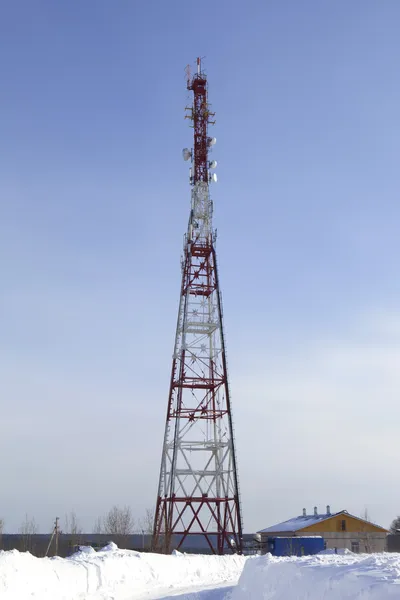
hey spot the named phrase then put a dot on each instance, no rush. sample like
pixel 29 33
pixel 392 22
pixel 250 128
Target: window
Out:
pixel 343 525
pixel 355 547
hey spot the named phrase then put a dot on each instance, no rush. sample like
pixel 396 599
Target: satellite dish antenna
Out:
pixel 212 141
pixel 214 177
pixel 186 154
pixel 213 164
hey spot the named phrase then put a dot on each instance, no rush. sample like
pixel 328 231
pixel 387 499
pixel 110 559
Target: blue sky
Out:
pixel 94 201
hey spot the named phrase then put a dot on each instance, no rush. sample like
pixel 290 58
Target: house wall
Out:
pixel 352 525
pixel 393 543
pixel 369 536
pixel 368 541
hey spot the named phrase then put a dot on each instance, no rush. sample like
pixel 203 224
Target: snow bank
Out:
pixel 114 574
pixel 110 573
pixel 331 577
pixel 337 551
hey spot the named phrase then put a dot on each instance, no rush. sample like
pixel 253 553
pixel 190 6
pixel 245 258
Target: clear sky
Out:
pixel 94 201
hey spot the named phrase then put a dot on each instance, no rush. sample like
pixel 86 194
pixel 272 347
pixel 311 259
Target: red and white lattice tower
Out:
pixel 198 492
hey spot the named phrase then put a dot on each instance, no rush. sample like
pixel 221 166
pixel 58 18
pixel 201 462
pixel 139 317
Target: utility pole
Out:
pixel 54 536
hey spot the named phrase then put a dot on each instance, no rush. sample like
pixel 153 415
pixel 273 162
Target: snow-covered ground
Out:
pixel 114 574
pixel 328 577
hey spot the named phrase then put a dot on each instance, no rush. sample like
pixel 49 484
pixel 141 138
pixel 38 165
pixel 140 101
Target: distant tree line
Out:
pixel 120 521
pixel 117 521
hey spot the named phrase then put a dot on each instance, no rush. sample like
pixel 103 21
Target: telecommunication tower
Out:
pixel 198 493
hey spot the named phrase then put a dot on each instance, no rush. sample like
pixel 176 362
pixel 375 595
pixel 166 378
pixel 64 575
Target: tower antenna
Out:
pixel 198 491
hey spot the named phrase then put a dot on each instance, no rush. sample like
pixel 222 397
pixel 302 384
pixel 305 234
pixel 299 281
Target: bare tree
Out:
pixel 73 529
pixel 119 521
pixel 98 525
pixel 27 530
pixel 395 526
pixel 146 523
pixel 366 538
pixel 365 515
pixel 72 526
pixel 146 527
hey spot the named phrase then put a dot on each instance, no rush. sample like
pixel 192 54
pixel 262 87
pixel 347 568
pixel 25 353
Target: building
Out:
pixel 339 530
pixel 393 542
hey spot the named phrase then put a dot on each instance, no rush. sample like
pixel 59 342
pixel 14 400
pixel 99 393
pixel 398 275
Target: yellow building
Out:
pixel 339 530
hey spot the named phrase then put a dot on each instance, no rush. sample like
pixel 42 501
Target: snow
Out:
pixel 297 523
pixel 331 577
pixel 114 574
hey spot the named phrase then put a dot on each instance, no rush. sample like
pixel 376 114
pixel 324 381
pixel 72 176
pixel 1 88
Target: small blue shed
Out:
pixel 295 546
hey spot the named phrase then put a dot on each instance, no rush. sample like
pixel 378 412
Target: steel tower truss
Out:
pixel 198 491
